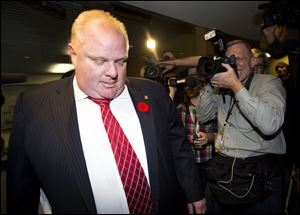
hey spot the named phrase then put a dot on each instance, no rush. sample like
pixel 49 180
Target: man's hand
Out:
pixel 269 33
pixel 172 91
pixel 198 207
pixel 227 80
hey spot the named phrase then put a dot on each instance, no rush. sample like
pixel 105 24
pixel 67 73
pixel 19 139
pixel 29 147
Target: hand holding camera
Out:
pixel 227 80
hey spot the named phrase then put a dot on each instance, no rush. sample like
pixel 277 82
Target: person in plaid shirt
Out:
pixel 200 136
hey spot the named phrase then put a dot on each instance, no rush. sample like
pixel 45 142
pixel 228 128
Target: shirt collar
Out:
pixel 79 95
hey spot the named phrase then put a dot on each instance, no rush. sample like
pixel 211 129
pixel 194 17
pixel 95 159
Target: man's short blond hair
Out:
pixel 100 17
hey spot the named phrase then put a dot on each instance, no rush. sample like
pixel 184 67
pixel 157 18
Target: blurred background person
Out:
pixel 282 72
pixel 200 136
pixel 260 61
pixel 281 41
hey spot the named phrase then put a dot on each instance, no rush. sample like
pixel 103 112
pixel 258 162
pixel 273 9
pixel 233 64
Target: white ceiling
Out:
pixel 238 18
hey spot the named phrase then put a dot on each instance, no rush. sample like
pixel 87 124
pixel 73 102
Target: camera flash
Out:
pixel 210 34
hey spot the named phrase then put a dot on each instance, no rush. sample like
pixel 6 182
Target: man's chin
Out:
pixel 111 93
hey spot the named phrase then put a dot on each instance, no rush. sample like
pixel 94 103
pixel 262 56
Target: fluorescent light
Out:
pixel 60 67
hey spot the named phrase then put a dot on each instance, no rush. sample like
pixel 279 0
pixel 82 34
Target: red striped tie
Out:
pixel 134 181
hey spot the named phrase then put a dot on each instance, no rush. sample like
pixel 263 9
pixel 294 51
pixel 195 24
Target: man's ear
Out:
pixel 72 54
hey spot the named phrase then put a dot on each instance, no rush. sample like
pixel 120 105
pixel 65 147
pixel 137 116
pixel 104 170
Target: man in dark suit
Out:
pixel 59 143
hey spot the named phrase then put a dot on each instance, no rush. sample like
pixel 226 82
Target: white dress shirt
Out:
pixel 103 172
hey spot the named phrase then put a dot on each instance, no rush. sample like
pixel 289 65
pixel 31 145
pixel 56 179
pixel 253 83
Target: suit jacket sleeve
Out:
pixel 184 160
pixel 22 183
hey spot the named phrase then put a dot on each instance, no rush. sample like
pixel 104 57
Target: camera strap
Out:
pixel 249 80
pixel 247 86
pixel 231 105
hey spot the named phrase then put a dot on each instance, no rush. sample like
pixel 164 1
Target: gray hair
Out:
pixel 246 44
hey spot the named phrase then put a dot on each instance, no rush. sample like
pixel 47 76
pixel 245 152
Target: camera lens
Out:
pixel 206 67
pixel 152 72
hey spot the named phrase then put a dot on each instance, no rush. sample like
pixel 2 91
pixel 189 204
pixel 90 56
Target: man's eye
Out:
pixel 99 61
pixel 122 62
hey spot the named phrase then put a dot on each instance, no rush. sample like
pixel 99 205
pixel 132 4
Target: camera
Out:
pixel 189 80
pixel 217 37
pixel 157 73
pixel 173 77
pixel 154 71
pixel 208 67
pixel 280 13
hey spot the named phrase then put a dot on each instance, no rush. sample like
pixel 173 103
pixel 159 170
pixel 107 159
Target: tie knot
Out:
pixel 102 102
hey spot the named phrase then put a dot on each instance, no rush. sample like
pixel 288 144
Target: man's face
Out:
pixel 100 61
pixel 243 60
pixel 259 66
pixel 281 69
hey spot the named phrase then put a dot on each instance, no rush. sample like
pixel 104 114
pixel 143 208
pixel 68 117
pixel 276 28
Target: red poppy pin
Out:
pixel 143 107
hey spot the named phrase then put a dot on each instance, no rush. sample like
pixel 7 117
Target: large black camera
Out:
pixel 280 13
pixel 173 77
pixel 152 70
pixel 208 67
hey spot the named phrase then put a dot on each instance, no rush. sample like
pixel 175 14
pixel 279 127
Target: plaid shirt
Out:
pixel 192 126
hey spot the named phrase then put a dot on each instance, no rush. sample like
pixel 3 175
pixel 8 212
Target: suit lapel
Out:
pixel 64 112
pixel 66 117
pixel 149 133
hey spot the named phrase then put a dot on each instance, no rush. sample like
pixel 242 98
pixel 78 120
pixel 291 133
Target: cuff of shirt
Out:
pixel 242 96
pixel 206 91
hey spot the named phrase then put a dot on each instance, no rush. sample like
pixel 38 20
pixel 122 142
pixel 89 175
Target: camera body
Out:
pixel 154 71
pixel 208 67
pixel 173 77
pixel 280 13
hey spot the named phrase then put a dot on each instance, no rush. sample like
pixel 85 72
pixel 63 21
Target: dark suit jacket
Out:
pixel 45 151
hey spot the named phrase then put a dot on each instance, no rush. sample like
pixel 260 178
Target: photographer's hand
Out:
pixel 227 80
pixel 172 92
pixel 269 33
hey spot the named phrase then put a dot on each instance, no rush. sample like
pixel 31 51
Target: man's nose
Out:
pixel 112 70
